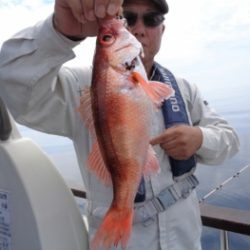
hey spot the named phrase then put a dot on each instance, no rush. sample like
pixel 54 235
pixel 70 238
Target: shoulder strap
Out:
pixel 174 112
pixel 174 109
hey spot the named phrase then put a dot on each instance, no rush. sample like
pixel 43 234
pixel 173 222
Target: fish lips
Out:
pixel 134 61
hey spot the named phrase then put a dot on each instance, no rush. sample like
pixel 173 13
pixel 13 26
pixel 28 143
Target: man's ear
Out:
pixel 163 28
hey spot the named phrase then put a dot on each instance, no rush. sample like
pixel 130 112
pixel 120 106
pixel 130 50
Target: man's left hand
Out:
pixel 180 142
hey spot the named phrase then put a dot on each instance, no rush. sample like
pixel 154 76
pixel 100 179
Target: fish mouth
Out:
pixel 131 65
pixel 130 62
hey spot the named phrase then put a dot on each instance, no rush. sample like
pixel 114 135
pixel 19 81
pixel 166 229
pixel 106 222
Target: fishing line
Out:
pixel 237 174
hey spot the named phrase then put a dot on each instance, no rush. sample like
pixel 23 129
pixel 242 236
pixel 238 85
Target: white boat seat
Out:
pixel 37 209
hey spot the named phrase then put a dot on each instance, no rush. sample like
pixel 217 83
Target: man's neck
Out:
pixel 148 67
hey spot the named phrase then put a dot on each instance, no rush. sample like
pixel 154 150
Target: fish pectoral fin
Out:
pixel 161 91
pixel 97 165
pixel 152 165
pixel 157 91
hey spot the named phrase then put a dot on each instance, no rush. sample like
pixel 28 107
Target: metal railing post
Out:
pixel 224 240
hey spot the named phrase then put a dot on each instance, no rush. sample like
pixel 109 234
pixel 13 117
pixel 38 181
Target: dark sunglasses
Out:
pixel 150 19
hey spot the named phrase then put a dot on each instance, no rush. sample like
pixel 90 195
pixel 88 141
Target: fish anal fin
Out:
pixel 152 165
pixel 157 91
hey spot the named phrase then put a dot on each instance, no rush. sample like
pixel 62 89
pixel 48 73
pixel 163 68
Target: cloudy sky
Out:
pixel 206 41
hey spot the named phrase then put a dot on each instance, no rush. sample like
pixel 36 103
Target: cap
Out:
pixel 160 4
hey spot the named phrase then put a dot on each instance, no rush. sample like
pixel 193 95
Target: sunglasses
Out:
pixel 150 19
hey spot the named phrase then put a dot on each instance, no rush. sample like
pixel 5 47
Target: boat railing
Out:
pixel 221 218
pixel 226 220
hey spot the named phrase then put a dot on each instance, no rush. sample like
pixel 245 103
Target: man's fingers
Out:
pixel 114 7
pixel 167 136
pixel 107 8
pixel 89 10
pixel 83 10
pixel 158 140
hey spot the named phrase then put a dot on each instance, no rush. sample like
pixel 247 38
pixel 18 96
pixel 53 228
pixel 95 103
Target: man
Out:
pixel 43 94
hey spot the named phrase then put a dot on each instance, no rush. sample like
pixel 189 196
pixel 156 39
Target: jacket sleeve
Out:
pixel 39 92
pixel 220 141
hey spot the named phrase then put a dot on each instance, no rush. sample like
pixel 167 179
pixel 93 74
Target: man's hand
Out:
pixel 180 142
pixel 78 18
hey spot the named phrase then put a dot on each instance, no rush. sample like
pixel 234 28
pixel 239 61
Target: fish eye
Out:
pixel 107 39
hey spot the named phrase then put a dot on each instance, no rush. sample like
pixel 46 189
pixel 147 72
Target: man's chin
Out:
pixel 144 55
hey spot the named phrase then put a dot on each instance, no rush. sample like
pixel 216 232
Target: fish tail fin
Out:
pixel 115 229
pixel 157 91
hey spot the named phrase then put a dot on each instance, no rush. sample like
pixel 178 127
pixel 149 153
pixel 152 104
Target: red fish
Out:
pixel 122 101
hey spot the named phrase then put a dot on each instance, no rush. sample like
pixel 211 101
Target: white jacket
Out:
pixel 43 95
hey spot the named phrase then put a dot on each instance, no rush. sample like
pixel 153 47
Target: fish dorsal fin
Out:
pixel 85 110
pixel 95 161
pixel 157 91
pixel 97 165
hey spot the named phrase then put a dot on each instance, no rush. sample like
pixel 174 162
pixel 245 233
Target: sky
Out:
pixel 205 41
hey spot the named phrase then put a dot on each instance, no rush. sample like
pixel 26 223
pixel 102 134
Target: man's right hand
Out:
pixel 77 19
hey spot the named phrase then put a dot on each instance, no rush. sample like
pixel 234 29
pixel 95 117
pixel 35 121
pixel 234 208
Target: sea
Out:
pixel 231 180
pixel 226 185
